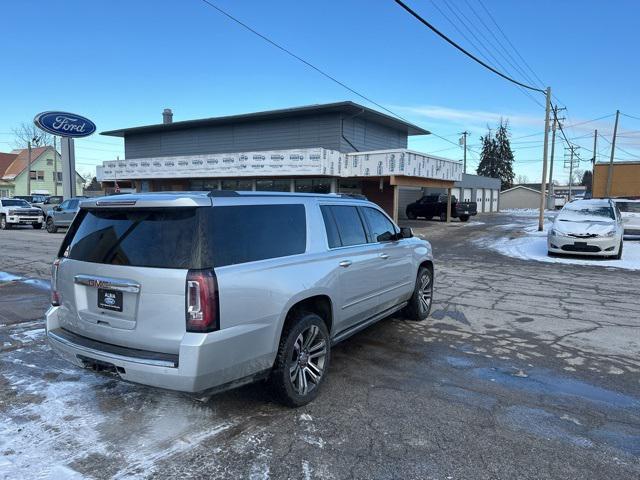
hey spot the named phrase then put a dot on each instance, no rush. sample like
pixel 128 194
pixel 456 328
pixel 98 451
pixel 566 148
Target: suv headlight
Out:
pixel 554 233
pixel 610 233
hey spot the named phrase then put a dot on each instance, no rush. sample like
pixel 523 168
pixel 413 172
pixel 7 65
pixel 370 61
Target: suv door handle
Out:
pixel 345 263
pixel 384 256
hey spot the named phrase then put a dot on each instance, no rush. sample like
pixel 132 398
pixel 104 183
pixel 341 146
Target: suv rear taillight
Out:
pixel 202 305
pixel 55 296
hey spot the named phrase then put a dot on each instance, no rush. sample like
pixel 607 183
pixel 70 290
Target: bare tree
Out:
pixel 28 132
pixel 577 176
pixel 522 179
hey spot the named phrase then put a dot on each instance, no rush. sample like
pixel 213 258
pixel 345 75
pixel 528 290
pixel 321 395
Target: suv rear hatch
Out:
pixel 123 266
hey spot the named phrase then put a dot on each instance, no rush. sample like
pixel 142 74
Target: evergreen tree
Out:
pixel 496 158
pixel 94 185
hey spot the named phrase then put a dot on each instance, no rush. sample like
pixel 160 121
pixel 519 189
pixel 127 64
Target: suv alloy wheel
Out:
pixel 302 360
pixel 420 303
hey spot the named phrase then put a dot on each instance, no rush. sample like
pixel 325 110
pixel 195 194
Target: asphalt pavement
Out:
pixel 524 370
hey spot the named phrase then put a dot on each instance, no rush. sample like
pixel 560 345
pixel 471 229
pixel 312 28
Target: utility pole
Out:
pixel 29 169
pixel 543 186
pixel 464 140
pixel 551 204
pixel 593 160
pixel 613 150
pixel 55 167
pixel 574 159
pixel 570 172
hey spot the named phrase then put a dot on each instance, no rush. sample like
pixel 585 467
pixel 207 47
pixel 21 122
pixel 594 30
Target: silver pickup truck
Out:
pixel 14 211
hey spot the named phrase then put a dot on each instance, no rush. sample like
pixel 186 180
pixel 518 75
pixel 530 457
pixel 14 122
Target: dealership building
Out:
pixel 331 148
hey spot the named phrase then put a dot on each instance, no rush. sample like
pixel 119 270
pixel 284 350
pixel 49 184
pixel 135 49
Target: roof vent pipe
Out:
pixel 167 116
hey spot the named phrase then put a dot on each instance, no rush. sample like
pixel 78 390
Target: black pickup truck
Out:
pixel 431 206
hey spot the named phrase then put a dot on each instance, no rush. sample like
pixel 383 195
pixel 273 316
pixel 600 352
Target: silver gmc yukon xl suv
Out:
pixel 205 291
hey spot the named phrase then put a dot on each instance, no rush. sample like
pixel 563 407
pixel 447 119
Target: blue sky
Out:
pixel 121 62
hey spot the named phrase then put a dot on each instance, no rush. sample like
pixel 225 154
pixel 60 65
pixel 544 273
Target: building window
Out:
pixel 313 185
pixel 241 185
pixel 49 161
pixel 348 185
pixel 273 185
pixel 40 174
pixel 32 174
pixel 205 184
pixel 57 177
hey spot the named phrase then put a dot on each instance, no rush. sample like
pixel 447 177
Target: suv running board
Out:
pixel 365 323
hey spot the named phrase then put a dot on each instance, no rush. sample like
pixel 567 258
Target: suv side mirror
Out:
pixel 406 232
pixel 57 209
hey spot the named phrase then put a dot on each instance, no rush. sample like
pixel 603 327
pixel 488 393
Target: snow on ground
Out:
pixel 35 282
pixel 527 243
pixel 522 212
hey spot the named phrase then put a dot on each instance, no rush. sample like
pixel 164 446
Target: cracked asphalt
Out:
pixel 524 370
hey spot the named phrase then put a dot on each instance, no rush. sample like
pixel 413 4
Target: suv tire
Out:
pixel 51 226
pixel 3 223
pixel 464 218
pixel 443 217
pixel 420 302
pixel 303 354
pixel 411 215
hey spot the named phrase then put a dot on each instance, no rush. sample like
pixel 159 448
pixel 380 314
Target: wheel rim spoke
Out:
pixel 314 377
pixel 311 336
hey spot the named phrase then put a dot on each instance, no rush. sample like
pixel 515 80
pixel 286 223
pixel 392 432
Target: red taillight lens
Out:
pixel 55 296
pixel 202 306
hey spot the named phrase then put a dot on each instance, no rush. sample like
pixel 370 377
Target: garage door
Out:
pixel 479 199
pixel 467 195
pixel 455 192
pixel 487 200
pixel 494 200
pixel 407 195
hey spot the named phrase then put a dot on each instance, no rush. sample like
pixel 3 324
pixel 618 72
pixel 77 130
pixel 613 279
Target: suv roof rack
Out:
pixel 357 196
pixel 223 193
pixel 234 193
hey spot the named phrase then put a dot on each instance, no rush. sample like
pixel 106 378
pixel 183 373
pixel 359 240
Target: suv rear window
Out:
pixel 187 237
pixel 140 237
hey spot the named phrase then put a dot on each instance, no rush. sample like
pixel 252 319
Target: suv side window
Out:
pixel 380 228
pixel 248 233
pixel 64 205
pixel 73 204
pixel 346 229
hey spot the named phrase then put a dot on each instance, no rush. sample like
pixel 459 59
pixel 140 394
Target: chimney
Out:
pixel 167 116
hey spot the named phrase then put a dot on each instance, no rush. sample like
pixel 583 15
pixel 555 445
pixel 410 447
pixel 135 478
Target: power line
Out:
pixel 455 45
pixel 590 121
pixel 312 66
pixel 509 42
pixel 500 44
pixel 468 25
pixel 300 59
pixel 630 116
pixel 474 45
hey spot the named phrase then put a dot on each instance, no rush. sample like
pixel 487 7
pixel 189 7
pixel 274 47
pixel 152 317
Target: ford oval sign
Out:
pixel 65 124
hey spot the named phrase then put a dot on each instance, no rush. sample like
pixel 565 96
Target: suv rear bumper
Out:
pixel 204 361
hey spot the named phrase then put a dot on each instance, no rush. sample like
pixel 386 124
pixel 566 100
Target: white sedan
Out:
pixel 587 227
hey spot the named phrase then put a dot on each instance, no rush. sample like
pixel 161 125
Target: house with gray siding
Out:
pixel 335 147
